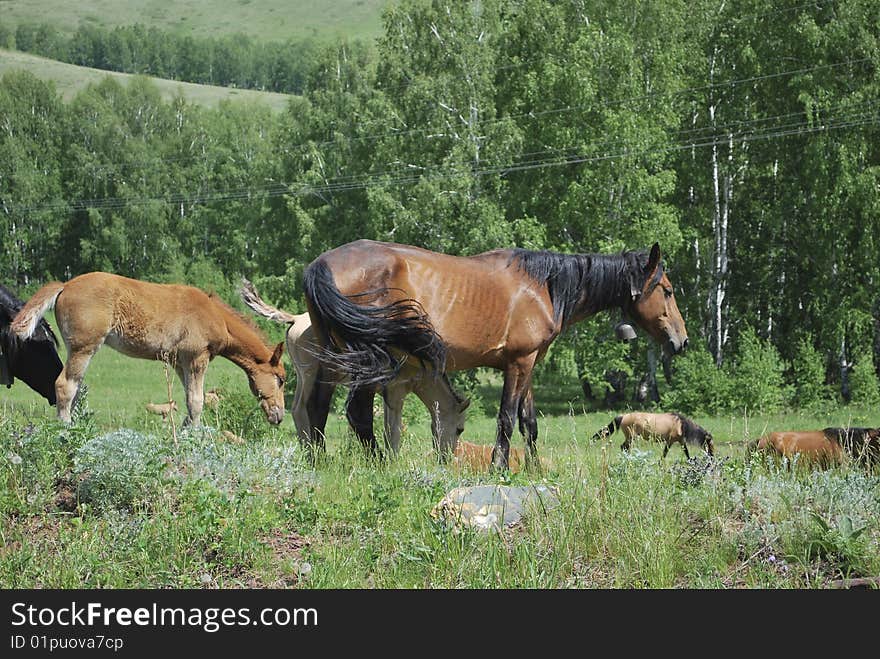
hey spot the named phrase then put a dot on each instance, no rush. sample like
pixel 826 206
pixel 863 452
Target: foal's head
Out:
pixel 267 383
pixel 654 308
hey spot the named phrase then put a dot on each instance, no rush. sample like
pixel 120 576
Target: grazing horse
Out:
pixel 446 407
pixel 34 361
pixel 822 447
pixel 181 325
pixel 384 310
pixel 669 428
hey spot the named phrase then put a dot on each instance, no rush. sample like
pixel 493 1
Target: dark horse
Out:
pixel 394 311
pixel 34 361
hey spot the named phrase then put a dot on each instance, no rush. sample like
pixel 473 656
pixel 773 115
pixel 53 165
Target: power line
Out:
pixel 376 180
pixel 532 115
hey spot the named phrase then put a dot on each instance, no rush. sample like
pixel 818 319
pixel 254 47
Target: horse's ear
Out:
pixel 653 260
pixel 276 355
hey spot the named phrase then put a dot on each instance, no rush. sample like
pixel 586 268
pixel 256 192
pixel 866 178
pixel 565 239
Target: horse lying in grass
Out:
pixel 478 457
pixel 180 325
pixel 823 448
pixel 447 409
pixel 669 428
pixel 34 361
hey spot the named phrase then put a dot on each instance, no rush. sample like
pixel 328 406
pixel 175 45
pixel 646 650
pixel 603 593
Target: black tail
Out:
pixel 609 429
pixel 366 335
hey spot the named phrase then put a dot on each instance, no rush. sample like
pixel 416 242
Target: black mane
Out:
pixel 693 432
pixel 601 281
pixel 863 444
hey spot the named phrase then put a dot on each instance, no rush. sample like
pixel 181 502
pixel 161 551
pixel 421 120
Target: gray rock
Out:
pixel 487 507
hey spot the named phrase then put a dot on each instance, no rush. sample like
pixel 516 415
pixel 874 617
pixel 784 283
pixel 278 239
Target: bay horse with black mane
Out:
pixel 34 361
pixel 181 325
pixel 385 311
pixel 824 447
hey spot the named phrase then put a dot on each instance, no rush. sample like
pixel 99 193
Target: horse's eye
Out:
pixel 280 380
pixel 667 292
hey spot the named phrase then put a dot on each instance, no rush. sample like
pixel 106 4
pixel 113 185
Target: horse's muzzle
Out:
pixel 676 348
pixel 275 415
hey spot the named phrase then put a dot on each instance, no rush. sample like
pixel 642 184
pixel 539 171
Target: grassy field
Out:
pixel 69 79
pixel 118 500
pixel 264 19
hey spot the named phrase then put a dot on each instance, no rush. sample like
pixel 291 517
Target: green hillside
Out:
pixel 69 79
pixel 265 19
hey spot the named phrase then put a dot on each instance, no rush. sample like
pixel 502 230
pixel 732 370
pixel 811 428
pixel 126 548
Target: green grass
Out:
pixel 70 79
pixel 264 19
pixel 83 508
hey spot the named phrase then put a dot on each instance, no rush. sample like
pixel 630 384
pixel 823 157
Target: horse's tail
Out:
pixel 253 300
pixel 369 336
pixel 25 322
pixel 609 429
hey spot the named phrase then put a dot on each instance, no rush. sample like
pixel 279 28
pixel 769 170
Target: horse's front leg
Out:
pixel 192 375
pixel 528 423
pixel 516 379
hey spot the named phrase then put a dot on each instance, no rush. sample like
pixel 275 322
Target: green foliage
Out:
pixel 699 386
pixel 808 376
pixel 756 375
pixel 864 387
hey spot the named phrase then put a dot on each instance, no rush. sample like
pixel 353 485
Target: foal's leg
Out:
pixel 306 378
pixel 192 375
pixel 69 380
pixel 359 412
pixel 393 395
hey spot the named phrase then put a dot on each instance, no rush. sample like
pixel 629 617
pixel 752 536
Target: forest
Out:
pixel 743 137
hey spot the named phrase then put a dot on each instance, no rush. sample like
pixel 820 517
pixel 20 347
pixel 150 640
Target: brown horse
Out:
pixel 388 309
pixel 669 428
pixel 178 324
pixel 447 408
pixel 823 447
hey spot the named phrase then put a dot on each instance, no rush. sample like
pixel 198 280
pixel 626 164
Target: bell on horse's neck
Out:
pixel 624 331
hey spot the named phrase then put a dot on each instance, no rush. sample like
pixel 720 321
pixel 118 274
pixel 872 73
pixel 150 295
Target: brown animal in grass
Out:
pixel 823 448
pixel 478 457
pixel 384 310
pixel 162 408
pixel 181 325
pixel 668 428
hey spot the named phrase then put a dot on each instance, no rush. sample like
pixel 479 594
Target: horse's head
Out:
pixel 453 418
pixel 34 361
pixel 267 383
pixel 653 306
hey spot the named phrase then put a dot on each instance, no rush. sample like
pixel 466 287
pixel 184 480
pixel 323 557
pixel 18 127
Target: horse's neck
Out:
pixel 243 347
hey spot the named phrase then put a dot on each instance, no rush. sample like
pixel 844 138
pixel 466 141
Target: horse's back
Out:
pixel 483 307
pixel 138 318
pixel 647 424
pixel 814 444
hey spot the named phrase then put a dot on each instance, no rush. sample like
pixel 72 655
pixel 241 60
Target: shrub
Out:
pixel 699 386
pixel 808 376
pixel 864 387
pixel 757 375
